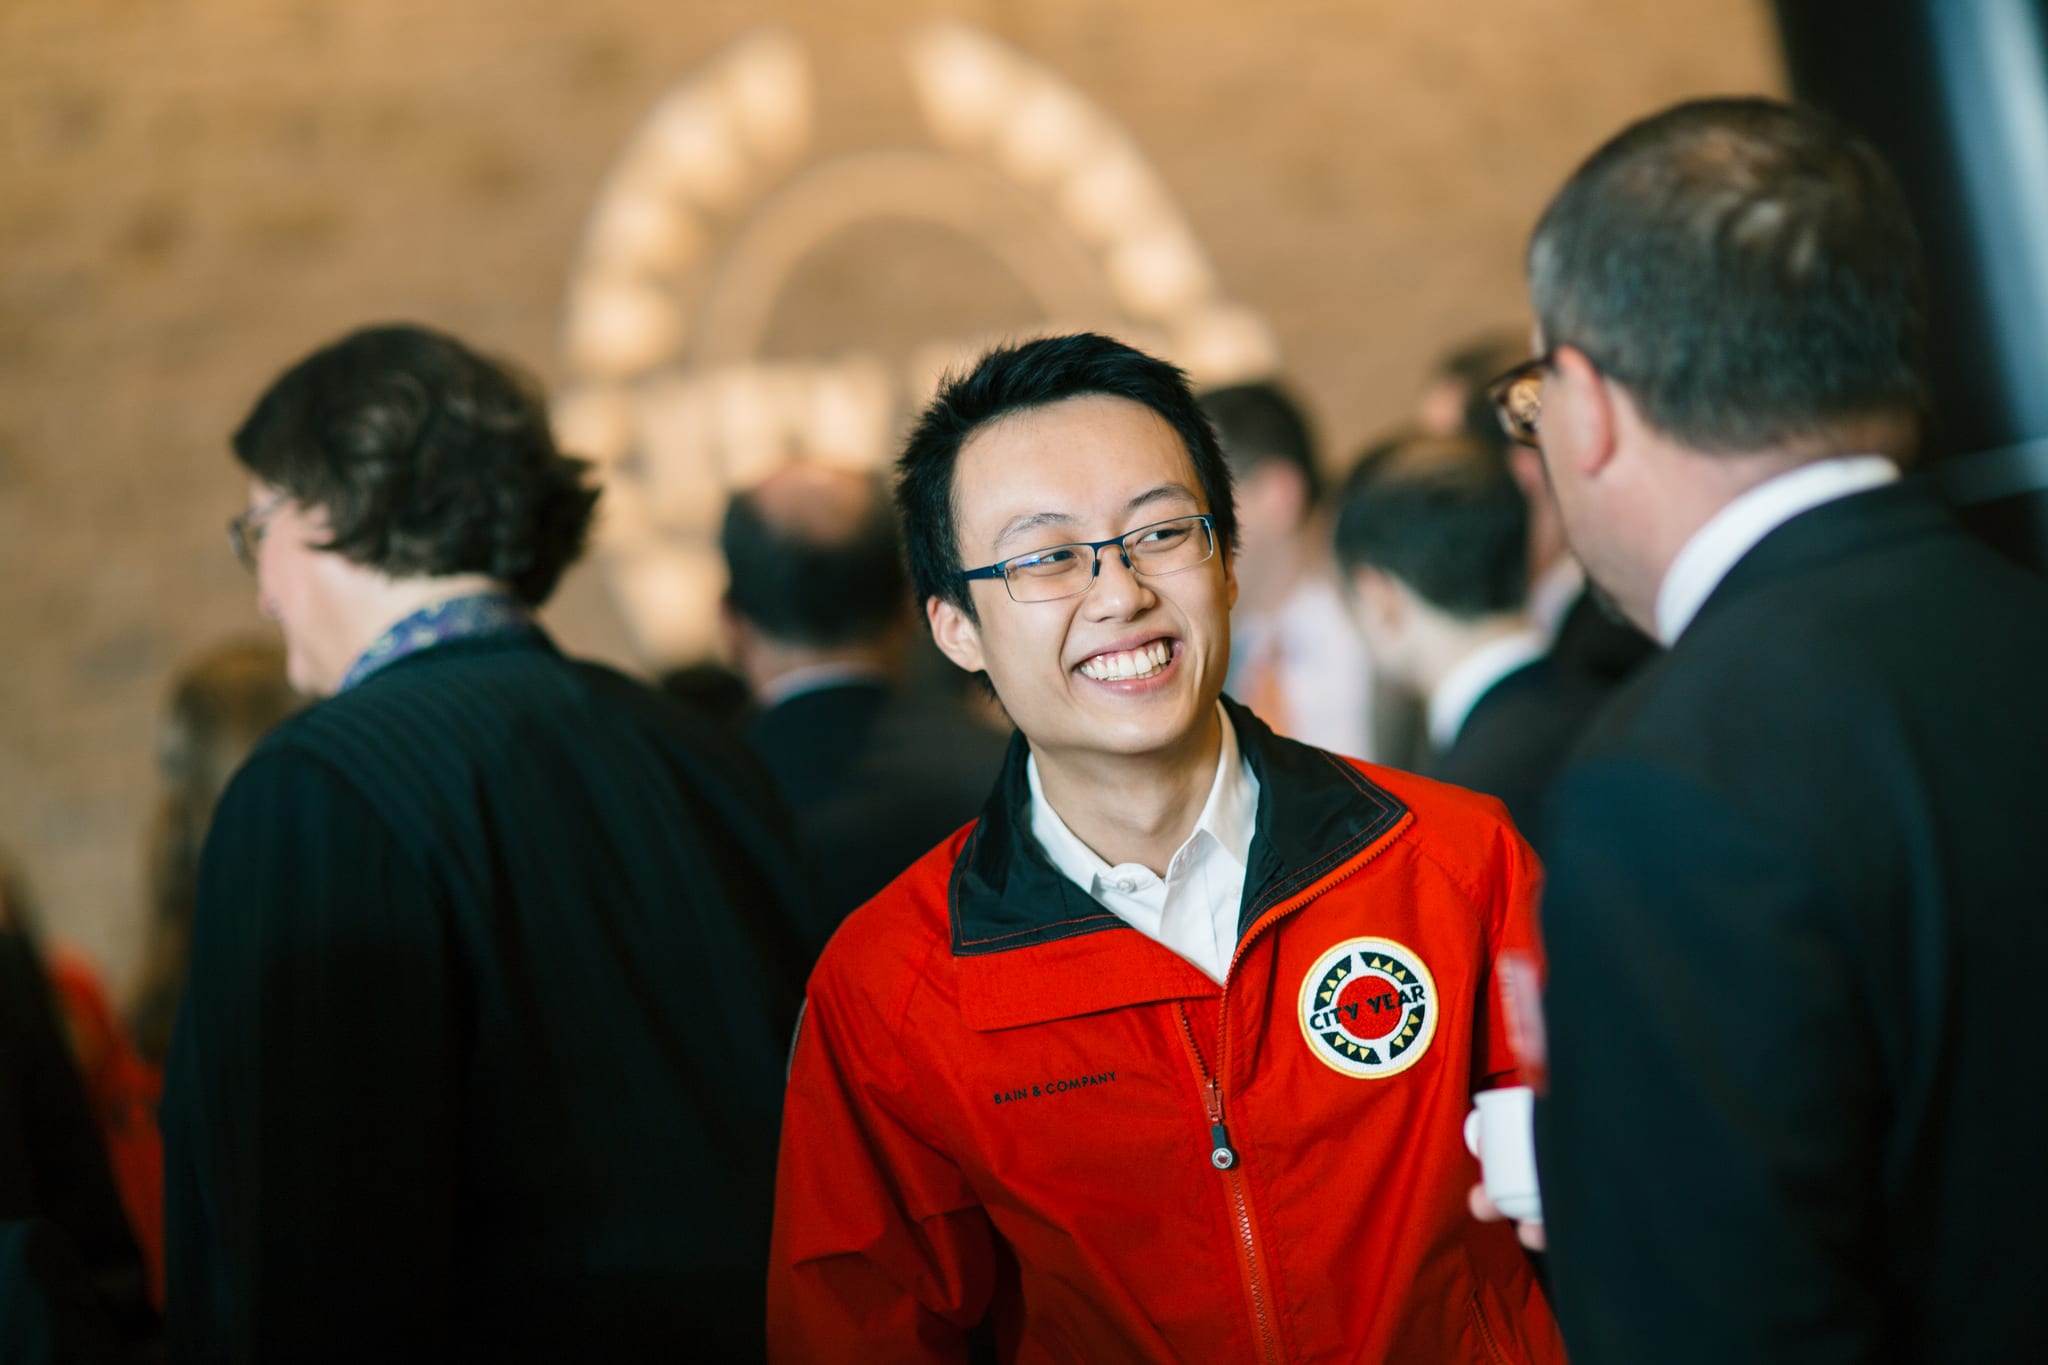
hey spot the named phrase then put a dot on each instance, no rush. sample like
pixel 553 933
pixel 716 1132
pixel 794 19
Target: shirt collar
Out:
pixel 473 616
pixel 1315 812
pixel 1734 531
pixel 1229 817
pixel 816 677
pixel 1452 701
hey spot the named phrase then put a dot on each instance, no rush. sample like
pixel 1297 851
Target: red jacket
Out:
pixel 1003 1100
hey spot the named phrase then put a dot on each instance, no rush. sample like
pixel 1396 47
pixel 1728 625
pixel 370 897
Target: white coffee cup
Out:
pixel 1501 1132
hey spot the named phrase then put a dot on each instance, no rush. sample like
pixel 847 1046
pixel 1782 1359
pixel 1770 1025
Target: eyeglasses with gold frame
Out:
pixel 245 530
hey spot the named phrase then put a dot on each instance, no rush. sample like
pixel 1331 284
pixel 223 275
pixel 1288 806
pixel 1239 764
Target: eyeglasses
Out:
pixel 1059 571
pixel 1517 398
pixel 245 531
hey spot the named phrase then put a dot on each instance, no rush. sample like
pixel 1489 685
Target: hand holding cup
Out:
pixel 1501 1132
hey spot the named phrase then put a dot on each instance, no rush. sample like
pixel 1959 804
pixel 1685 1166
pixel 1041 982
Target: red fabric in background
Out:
pixel 123 1090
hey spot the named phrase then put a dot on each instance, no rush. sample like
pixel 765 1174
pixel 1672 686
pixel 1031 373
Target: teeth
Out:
pixel 1142 662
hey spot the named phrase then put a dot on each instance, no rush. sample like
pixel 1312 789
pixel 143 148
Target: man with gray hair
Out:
pixel 1794 908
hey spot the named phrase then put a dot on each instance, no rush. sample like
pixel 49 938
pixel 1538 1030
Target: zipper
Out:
pixel 1222 1155
pixel 1224 1158
pixel 1486 1336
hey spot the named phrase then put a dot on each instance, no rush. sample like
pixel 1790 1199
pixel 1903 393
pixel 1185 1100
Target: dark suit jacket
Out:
pixel 1797 917
pixel 875 779
pixel 1517 735
pixel 1593 642
pixel 482 1052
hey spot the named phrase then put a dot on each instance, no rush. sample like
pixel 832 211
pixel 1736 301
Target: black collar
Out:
pixel 1315 811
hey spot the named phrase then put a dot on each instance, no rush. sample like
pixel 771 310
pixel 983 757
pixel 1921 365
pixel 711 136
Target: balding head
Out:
pixel 814 558
pixel 814 503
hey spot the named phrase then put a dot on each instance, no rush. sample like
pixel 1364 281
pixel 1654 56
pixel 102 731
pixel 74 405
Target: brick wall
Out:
pixel 194 192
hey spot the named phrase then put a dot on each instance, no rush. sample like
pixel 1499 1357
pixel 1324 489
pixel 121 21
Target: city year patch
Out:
pixel 1368 1008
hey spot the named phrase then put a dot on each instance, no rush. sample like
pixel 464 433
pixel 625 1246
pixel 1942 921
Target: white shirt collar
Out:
pixel 1194 909
pixel 1734 531
pixel 1452 701
pixel 815 677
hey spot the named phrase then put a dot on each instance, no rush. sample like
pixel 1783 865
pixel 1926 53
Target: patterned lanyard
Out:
pixel 489 615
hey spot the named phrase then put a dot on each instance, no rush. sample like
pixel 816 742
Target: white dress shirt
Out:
pixel 1193 910
pixel 1735 530
pixel 1452 701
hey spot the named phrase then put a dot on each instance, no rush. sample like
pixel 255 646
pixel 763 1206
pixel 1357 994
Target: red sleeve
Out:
pixel 1510 1024
pixel 882 1250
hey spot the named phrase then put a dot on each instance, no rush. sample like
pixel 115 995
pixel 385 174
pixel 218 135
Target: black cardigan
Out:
pixel 482 1053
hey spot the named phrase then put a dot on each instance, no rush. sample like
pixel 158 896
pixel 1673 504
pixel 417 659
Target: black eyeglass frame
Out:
pixel 1000 569
pixel 245 529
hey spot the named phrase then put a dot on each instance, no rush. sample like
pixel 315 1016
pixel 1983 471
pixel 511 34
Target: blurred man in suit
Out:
pixel 1794 913
pixel 1585 635
pixel 1430 535
pixel 817 619
pixel 1296 658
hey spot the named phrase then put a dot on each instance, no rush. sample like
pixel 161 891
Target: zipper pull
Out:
pixel 1221 1155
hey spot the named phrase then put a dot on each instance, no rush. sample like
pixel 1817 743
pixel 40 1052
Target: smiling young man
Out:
pixel 1166 1056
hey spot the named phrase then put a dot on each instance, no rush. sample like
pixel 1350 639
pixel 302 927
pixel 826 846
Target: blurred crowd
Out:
pixel 495 1005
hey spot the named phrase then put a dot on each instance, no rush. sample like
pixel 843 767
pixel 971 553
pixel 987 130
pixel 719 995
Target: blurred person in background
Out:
pixel 122 1090
pixel 1453 397
pixel 1794 905
pixel 715 689
pixel 1430 535
pixel 1167 1056
pixel 121 1086
pixel 1590 638
pixel 496 952
pixel 817 618
pixel 221 704
pixel 222 701
pixel 1297 659
pixel 73 1284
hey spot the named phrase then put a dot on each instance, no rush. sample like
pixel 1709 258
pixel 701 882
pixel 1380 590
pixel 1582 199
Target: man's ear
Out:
pixel 1525 464
pixel 1585 406
pixel 957 637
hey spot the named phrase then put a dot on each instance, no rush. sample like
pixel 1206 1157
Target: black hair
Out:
pixel 1443 515
pixel 427 458
pixel 1748 269
pixel 1261 422
pixel 1035 374
pixel 806 589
